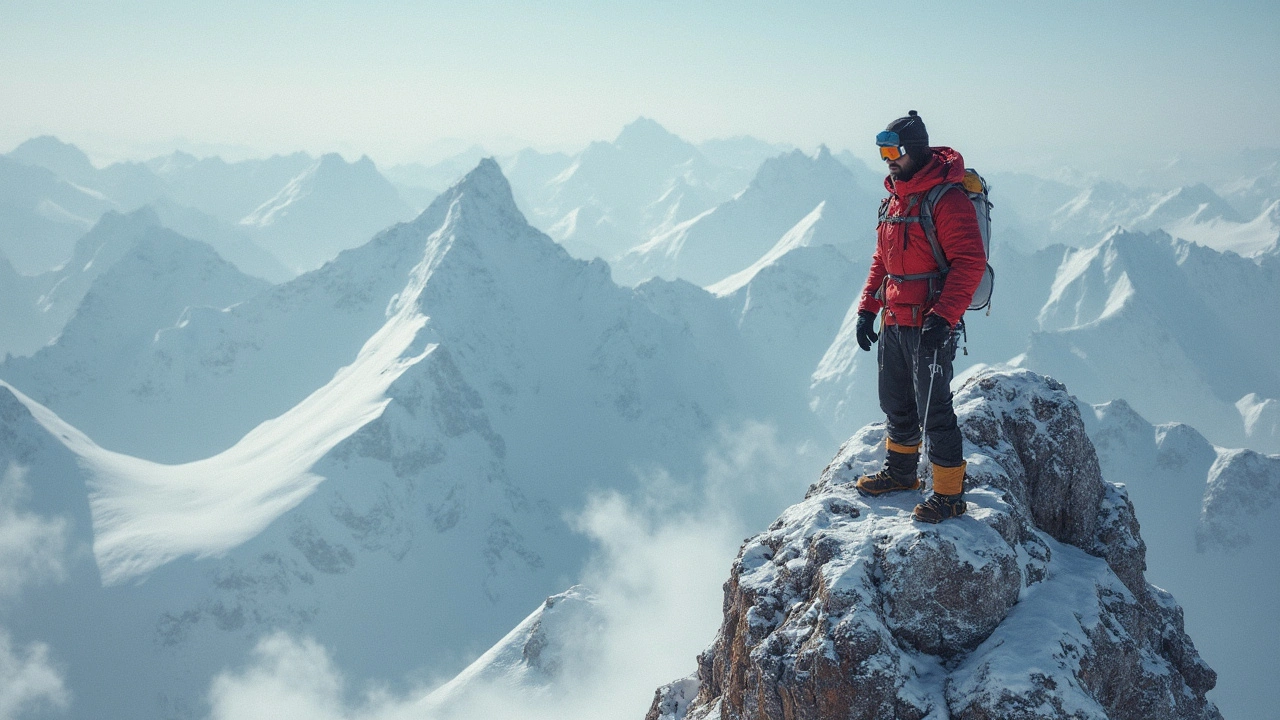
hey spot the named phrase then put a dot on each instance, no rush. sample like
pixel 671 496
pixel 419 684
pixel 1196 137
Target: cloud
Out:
pixel 32 547
pixel 28 682
pixel 661 557
pixel 288 679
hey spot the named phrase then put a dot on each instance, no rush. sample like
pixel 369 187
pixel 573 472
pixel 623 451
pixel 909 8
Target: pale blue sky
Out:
pixel 1100 85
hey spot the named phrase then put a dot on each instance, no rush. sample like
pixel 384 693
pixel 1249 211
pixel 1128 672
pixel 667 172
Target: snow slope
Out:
pixel 1138 307
pixel 801 235
pixel 614 195
pixel 226 190
pixel 735 234
pixel 228 239
pixel 1251 238
pixel 146 514
pixel 767 332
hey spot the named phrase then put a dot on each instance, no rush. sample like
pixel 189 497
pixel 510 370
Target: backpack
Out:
pixel 976 188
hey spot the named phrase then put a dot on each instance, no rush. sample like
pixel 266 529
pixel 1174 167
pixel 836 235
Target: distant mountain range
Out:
pixel 244 398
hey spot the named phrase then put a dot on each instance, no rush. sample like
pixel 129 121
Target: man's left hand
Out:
pixel 934 334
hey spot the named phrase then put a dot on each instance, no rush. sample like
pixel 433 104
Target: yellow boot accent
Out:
pixel 901 448
pixel 949 480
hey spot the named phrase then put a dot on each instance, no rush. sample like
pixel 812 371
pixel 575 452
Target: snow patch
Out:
pixel 146 514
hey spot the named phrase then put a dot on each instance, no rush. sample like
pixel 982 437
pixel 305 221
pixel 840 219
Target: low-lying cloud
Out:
pixel 661 557
pixel 31 547
pixel 29 682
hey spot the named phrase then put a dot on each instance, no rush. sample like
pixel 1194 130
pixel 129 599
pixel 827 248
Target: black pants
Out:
pixel 904 385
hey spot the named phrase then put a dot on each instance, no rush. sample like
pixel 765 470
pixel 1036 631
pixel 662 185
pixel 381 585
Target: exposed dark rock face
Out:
pixel 1033 605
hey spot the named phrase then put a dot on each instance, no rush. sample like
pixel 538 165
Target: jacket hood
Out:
pixel 946 165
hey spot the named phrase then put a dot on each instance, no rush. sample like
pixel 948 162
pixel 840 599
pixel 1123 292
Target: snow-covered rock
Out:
pixel 1240 504
pixel 331 206
pixel 536 656
pixel 1261 418
pixel 1032 605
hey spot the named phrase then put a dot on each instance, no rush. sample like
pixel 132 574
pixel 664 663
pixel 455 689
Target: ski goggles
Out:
pixel 890 145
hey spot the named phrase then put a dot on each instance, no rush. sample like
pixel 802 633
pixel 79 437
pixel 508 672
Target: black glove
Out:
pixel 866 329
pixel 934 334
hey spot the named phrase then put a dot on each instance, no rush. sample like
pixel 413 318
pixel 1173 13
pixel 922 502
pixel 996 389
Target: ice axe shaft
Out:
pixel 924 420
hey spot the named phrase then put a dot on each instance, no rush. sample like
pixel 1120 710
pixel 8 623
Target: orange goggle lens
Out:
pixel 892 152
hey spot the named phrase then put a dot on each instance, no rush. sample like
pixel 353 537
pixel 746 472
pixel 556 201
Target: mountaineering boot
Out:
pixel 939 507
pixel 898 473
pixel 947 500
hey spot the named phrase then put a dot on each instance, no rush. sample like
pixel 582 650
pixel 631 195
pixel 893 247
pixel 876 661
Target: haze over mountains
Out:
pixel 267 397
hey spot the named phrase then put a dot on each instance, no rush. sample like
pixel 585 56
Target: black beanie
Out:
pixel 911 133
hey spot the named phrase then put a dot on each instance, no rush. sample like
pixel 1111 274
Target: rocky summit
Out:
pixel 1032 605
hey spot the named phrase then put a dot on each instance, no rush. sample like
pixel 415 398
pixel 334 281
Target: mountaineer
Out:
pixel 921 287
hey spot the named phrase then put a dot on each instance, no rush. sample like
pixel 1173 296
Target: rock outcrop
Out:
pixel 1241 493
pixel 1033 605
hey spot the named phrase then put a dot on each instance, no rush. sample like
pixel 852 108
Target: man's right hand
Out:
pixel 866 329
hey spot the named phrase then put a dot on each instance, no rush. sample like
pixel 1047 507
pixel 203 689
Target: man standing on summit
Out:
pixel 923 303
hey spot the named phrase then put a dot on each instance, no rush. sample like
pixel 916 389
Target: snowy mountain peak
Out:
pixel 845 607
pixel 331 206
pixel 483 192
pixel 799 170
pixel 531 656
pixel 330 173
pixel 112 227
pixel 644 133
pixel 1193 203
pixel 175 162
pixel 63 159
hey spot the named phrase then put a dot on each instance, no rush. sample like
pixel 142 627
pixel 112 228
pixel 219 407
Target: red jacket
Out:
pixel 903 249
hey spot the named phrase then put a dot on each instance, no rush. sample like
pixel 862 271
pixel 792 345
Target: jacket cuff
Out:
pixel 952 321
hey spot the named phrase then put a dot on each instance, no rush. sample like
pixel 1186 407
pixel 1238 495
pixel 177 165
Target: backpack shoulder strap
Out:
pixel 931 199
